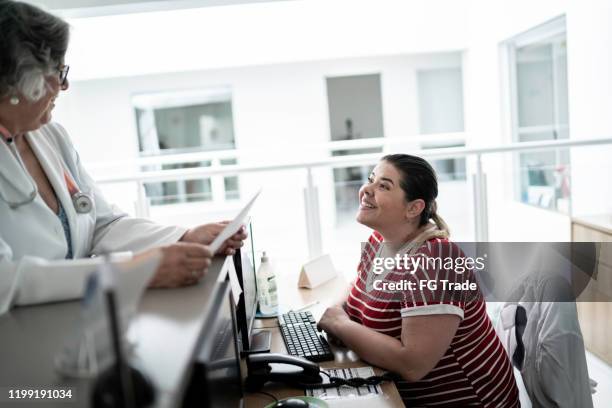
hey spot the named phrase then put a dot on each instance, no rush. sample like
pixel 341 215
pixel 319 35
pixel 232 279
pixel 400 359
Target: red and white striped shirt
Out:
pixel 475 370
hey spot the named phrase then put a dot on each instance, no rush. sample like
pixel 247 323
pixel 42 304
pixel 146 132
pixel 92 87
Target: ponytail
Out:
pixel 419 181
pixel 439 221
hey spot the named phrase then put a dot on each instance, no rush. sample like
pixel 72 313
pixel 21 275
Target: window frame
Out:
pixel 185 98
pixel 553 31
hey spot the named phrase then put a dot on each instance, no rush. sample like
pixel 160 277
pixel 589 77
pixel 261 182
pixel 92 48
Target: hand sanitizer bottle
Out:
pixel 266 287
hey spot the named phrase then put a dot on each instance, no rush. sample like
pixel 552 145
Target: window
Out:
pixel 440 93
pixel 185 122
pixel 355 112
pixel 538 81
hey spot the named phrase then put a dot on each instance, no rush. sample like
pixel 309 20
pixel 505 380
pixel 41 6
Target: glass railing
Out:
pixel 308 207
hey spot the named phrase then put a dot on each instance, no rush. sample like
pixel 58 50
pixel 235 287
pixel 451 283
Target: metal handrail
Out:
pixel 190 157
pixel 312 216
pixel 343 161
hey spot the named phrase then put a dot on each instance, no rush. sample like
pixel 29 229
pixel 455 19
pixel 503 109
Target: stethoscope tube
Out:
pixel 32 195
pixel 82 202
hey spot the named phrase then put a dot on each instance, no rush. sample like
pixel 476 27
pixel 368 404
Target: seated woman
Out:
pixel 440 341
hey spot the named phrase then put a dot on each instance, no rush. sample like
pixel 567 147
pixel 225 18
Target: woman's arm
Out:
pixel 424 341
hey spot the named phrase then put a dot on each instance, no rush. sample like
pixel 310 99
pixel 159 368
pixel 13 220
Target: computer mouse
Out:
pixel 292 403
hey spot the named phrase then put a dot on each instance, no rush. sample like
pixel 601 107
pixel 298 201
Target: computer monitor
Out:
pixel 245 260
pixel 216 380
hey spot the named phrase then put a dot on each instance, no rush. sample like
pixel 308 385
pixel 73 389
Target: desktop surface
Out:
pixel 167 331
pixel 30 336
pixel 172 325
pixel 294 298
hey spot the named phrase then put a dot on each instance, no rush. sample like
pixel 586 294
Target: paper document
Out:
pixel 233 226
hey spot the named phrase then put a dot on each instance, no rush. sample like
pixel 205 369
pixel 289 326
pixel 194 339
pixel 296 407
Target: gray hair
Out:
pixel 33 43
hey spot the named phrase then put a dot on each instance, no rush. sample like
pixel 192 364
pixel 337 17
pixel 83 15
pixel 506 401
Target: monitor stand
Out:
pixel 260 343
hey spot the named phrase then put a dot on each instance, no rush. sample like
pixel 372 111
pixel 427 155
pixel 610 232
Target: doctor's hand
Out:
pixel 182 264
pixel 205 234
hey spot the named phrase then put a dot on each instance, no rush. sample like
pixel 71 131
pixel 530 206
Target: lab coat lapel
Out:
pixel 20 183
pixel 53 165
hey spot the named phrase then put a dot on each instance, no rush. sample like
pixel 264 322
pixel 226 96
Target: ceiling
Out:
pixel 186 36
pixel 92 8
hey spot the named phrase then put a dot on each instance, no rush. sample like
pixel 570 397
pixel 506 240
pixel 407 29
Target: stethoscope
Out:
pixel 82 202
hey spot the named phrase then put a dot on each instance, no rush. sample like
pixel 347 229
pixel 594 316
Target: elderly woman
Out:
pixel 438 340
pixel 53 218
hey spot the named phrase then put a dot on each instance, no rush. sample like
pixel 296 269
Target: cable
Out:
pixel 267 394
pixel 351 382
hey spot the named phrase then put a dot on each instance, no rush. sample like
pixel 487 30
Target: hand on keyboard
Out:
pixel 331 318
pixel 335 341
pixel 301 337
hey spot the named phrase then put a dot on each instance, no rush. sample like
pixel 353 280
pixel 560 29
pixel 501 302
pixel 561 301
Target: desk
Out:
pixel 594 317
pixel 326 294
pixel 167 330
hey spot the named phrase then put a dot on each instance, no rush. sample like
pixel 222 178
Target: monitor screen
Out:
pixel 253 254
pixel 244 261
pixel 216 380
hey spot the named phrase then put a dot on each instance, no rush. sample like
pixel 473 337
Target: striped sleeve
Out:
pixel 475 370
pixel 434 278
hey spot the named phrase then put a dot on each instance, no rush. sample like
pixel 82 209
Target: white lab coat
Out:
pixel 32 241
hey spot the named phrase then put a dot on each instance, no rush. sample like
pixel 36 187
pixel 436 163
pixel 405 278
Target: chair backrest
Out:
pixel 544 341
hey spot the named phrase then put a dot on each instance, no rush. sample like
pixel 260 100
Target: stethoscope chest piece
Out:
pixel 82 203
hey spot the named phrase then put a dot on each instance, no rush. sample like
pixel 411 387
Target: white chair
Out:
pixel 544 341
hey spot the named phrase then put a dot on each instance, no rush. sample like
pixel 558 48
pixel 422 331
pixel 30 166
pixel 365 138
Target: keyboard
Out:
pixel 299 330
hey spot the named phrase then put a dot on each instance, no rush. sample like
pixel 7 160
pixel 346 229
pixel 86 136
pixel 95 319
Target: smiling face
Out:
pixel 39 113
pixel 27 115
pixel 382 202
pixel 383 206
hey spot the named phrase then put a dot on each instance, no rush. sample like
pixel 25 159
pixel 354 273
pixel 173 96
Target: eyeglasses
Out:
pixel 63 75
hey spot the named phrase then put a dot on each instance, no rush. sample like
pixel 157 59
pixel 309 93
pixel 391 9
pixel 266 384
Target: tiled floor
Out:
pixel 602 373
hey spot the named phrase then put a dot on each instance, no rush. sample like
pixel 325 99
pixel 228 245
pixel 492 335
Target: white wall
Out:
pixel 283 102
pixel 589 49
pixel 277 105
pixel 440 101
pixel 261 34
pixel 276 109
pixel 491 22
